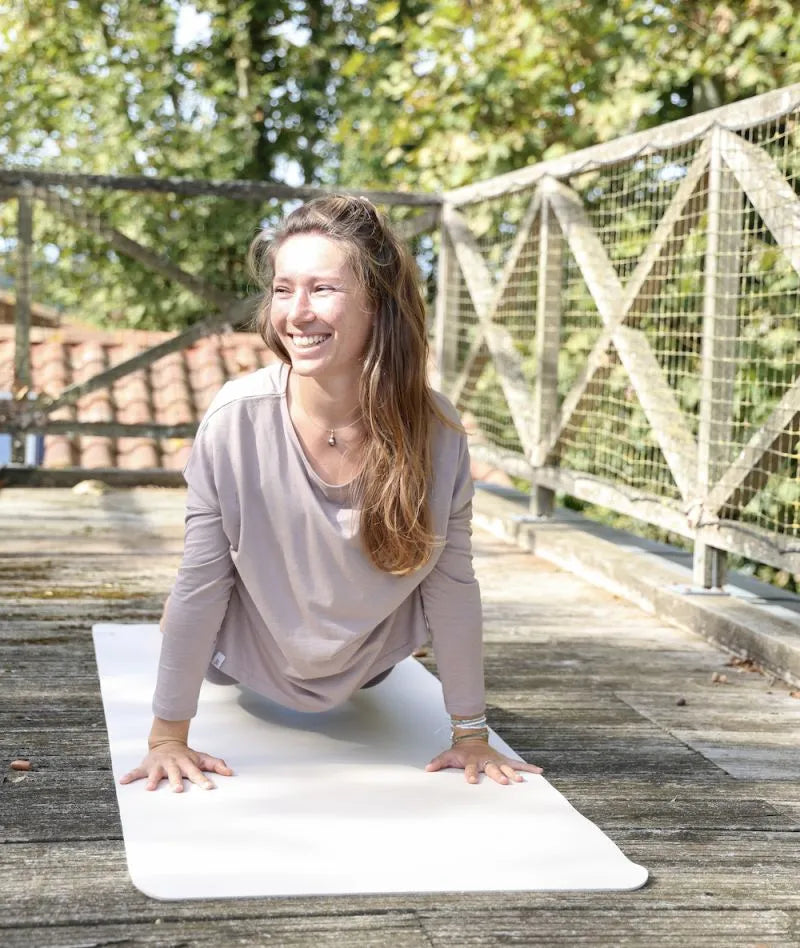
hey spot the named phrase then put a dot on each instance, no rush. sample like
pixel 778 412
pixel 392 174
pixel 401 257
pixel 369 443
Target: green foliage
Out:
pixel 446 92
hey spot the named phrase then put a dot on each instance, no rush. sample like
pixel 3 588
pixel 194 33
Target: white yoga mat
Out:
pixel 337 802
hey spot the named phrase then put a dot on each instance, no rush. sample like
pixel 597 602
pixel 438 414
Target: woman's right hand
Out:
pixel 174 760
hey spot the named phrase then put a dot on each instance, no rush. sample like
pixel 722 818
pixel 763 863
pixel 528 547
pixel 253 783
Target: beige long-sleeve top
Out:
pixel 275 587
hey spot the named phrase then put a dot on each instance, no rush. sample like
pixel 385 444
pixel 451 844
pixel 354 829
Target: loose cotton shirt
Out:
pixel 275 588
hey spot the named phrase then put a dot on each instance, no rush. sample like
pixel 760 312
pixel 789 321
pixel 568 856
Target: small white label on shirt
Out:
pixel 218 659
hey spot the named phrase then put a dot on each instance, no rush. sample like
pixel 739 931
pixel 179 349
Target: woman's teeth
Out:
pixel 306 342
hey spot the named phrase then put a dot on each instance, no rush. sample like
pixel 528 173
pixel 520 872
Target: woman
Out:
pixel 328 505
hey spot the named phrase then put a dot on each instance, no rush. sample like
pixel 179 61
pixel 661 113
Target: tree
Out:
pixel 406 94
pixel 448 92
pixel 101 87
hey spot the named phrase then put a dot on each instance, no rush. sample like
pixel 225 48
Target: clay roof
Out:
pixel 174 390
pixel 41 315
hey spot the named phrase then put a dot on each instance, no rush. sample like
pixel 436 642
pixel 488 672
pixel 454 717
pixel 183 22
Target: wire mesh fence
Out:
pixel 666 267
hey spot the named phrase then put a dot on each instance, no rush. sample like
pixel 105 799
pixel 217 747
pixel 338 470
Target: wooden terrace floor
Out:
pixel 697 779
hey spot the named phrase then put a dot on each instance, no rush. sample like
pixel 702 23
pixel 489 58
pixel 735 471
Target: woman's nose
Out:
pixel 299 307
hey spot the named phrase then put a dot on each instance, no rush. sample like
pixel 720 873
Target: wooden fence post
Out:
pixel 718 371
pixel 548 342
pixel 445 326
pixel 22 309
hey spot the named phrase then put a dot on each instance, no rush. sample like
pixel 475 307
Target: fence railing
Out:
pixel 623 325
pixel 67 203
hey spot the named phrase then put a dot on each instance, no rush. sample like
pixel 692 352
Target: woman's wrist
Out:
pixel 468 728
pixel 152 744
pixel 166 732
pixel 466 737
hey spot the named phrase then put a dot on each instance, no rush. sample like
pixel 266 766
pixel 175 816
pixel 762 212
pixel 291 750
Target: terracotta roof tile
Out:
pixel 50 367
pixel 41 315
pixel 133 398
pixel 174 390
pixel 89 358
pixel 207 372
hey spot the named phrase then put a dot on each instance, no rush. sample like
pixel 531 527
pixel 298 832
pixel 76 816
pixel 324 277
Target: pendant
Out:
pixel 332 440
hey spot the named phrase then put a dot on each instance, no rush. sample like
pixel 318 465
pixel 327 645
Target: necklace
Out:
pixel 331 431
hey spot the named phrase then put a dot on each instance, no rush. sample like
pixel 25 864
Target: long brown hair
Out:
pixel 396 401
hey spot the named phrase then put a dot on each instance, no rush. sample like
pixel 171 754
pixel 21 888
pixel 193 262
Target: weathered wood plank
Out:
pixel 235 190
pixel 626 925
pixel 108 429
pixel 522 926
pixel 626 500
pixel 707 870
pixel 445 319
pixel 548 346
pixel 418 224
pixel 510 462
pixel 402 928
pixel 718 357
pixel 756 543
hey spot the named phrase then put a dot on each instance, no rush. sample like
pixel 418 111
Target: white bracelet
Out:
pixel 470 724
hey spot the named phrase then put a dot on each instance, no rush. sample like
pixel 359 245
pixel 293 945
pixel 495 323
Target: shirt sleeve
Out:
pixel 200 595
pixel 452 604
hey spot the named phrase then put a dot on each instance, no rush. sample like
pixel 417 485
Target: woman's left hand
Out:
pixel 474 757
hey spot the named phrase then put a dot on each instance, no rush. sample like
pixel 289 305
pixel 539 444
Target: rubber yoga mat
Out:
pixel 336 802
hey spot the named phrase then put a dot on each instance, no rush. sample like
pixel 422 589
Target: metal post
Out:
pixel 548 341
pixel 718 372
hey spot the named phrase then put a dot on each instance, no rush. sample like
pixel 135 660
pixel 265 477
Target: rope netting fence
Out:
pixel 623 326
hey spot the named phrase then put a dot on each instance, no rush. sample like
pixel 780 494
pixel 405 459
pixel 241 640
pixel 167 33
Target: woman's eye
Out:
pixel 279 291
pixel 323 288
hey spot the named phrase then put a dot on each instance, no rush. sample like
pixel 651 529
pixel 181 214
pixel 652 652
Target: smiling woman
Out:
pixel 328 505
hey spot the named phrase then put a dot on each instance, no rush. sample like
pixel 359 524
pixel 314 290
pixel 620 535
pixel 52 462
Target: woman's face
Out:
pixel 319 311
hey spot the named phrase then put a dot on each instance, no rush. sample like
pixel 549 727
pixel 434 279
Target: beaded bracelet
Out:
pixel 473 729
pixel 475 735
pixel 468 724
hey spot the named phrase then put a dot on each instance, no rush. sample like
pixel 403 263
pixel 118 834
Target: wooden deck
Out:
pixel 697 780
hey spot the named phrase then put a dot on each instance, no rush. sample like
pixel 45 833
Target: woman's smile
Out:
pixel 307 342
